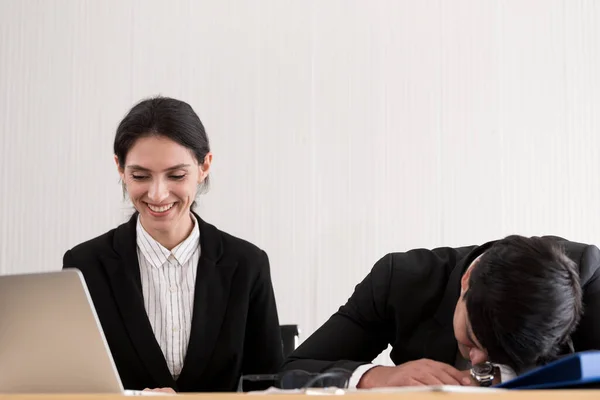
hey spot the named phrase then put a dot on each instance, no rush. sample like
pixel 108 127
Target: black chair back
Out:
pixel 289 338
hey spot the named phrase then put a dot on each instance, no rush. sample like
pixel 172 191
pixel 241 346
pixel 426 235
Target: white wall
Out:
pixel 342 130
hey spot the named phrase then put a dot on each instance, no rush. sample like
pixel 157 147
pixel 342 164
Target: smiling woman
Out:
pixel 182 304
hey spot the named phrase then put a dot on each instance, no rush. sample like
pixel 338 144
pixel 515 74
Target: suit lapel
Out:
pixel 211 296
pixel 124 276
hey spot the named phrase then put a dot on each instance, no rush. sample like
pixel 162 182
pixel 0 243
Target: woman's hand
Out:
pixel 163 390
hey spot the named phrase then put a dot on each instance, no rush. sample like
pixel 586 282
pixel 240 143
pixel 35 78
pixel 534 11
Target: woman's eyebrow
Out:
pixel 140 168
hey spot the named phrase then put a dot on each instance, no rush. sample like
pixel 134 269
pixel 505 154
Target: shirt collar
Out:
pixel 157 255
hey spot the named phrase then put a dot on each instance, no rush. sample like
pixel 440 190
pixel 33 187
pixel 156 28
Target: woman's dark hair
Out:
pixel 166 117
pixel 524 301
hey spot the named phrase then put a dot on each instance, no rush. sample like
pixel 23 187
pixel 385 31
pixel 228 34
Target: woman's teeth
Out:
pixel 161 208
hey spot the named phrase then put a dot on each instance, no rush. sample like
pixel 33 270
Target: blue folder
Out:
pixel 578 370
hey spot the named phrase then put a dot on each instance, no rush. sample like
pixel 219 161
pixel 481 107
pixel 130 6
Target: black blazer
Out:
pixel 235 328
pixel 408 301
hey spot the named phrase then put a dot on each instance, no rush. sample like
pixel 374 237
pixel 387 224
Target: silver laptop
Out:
pixel 50 338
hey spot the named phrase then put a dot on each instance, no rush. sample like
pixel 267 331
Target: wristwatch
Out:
pixel 484 373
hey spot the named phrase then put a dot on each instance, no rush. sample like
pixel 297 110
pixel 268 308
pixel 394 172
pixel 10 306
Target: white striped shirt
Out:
pixel 168 280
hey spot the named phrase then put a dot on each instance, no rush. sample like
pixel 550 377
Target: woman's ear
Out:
pixel 120 169
pixel 204 168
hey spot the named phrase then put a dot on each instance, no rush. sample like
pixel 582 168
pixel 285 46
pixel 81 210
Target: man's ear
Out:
pixel 464 281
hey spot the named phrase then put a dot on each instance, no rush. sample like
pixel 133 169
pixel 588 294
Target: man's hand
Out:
pixel 163 390
pixel 415 373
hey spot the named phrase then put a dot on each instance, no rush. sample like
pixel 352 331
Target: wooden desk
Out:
pixel 509 395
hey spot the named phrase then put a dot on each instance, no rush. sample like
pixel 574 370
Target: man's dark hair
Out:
pixel 524 301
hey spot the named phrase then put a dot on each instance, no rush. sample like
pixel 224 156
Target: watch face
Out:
pixel 485 368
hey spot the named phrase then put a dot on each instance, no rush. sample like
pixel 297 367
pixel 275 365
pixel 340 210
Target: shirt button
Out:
pixel 173 289
pixel 175 329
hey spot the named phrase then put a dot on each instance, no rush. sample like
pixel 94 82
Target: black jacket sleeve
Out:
pixel 587 334
pixel 401 291
pixel 263 351
pixel 353 336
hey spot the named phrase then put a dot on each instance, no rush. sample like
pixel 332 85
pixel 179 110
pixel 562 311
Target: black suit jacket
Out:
pixel 235 328
pixel 408 301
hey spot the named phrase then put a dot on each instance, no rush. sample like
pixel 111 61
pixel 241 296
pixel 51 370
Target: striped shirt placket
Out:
pixel 168 283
